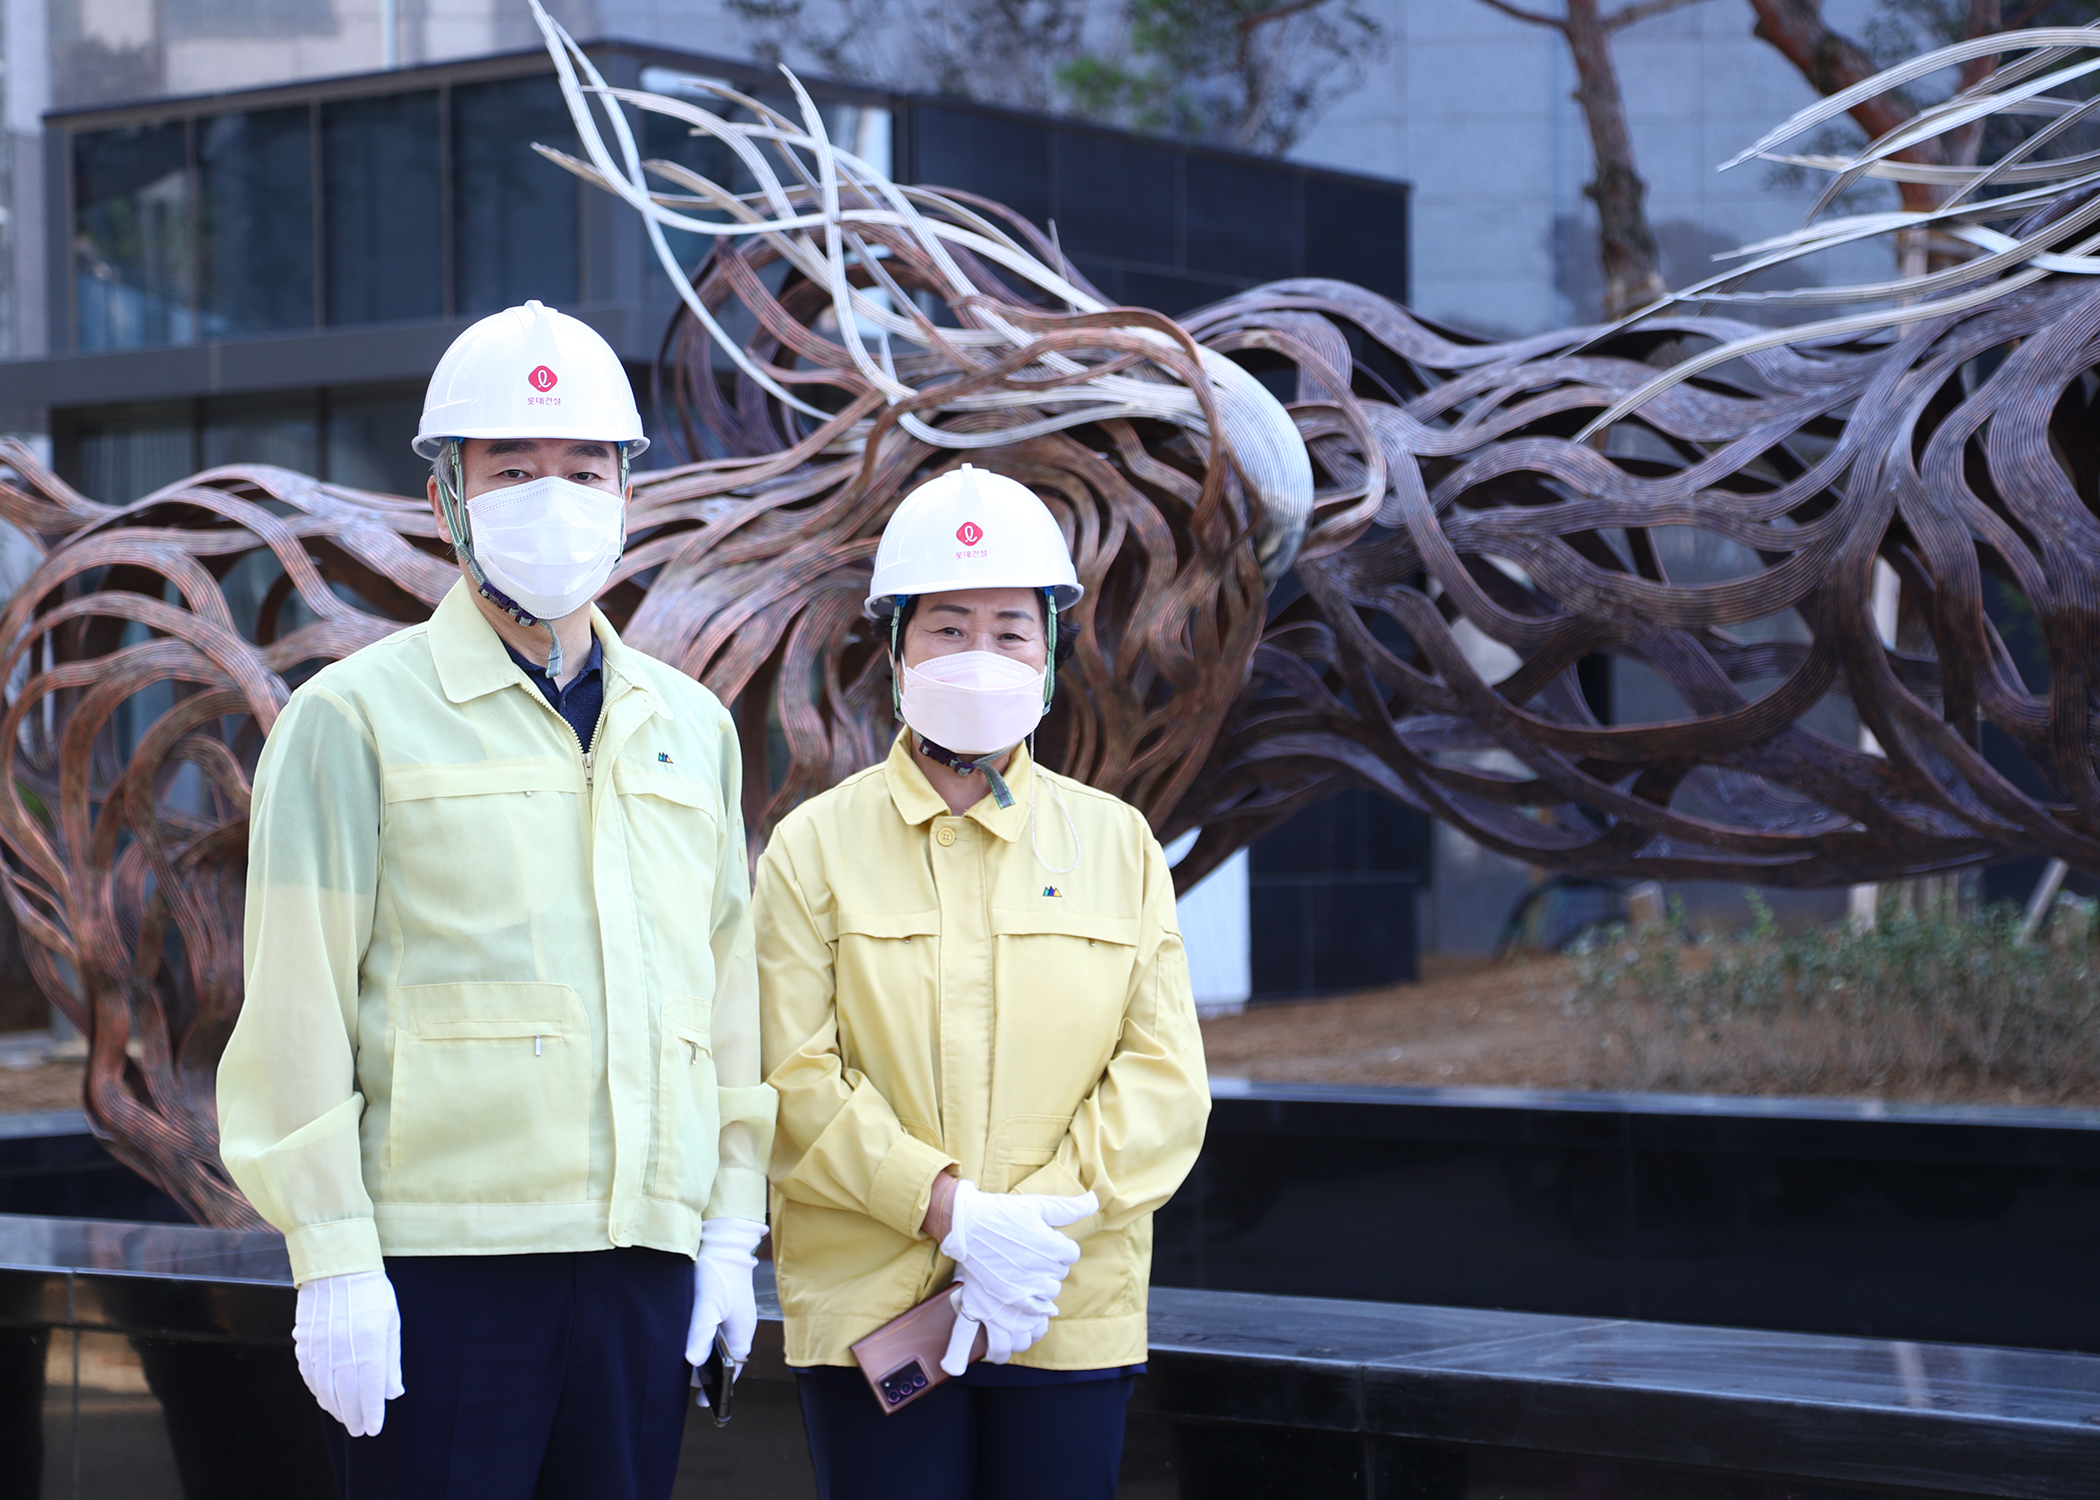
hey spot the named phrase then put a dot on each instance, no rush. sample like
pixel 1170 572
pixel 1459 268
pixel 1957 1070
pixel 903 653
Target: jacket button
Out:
pixel 944 836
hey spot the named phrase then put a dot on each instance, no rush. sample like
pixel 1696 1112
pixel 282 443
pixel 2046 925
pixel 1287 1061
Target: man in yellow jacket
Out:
pixel 496 1076
pixel 978 1020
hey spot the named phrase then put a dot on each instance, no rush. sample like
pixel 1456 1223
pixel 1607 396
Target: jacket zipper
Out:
pixel 577 739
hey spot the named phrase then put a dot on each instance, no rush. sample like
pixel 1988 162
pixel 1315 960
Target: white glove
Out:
pixel 1013 1261
pixel 1007 1330
pixel 348 1334
pixel 1008 1246
pixel 722 1294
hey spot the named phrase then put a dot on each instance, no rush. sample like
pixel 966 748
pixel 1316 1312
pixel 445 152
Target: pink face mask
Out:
pixel 973 703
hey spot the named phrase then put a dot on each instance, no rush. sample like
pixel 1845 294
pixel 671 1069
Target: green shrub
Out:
pixel 1923 1006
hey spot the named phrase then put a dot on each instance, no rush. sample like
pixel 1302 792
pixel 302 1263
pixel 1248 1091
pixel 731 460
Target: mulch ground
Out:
pixel 1469 1022
pixel 51 1085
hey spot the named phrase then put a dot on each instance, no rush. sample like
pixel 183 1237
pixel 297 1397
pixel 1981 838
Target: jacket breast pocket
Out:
pixel 674 842
pixel 490 1096
pixel 1063 982
pixel 688 1104
pixel 461 840
pixel 884 971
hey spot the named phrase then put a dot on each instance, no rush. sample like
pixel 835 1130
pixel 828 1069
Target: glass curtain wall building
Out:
pixel 327 214
pixel 269 276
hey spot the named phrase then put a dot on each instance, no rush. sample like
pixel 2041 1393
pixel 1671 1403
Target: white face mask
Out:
pixel 549 544
pixel 973 703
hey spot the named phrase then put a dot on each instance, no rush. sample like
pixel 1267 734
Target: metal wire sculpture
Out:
pixel 1402 570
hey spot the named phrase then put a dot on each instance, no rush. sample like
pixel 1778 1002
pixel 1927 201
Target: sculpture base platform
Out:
pixel 149 1360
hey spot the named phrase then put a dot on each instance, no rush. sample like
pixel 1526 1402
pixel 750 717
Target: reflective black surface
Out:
pixel 157 1252
pixel 1331 898
pixel 49 1164
pixel 255 173
pixel 1962 1225
pixel 154 1360
pixel 383 234
pixel 2002 1421
pixel 516 230
pixel 150 1360
pixel 1156 223
pixel 133 267
pixel 206 227
pixel 1974 1226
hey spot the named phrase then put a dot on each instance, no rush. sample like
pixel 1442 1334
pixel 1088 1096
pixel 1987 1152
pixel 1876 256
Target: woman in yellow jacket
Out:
pixel 976 1013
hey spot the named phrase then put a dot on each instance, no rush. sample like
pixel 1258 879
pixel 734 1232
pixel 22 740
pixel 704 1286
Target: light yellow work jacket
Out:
pixel 500 993
pixel 934 994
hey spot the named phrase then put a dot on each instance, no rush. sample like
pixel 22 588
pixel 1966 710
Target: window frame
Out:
pixel 64 131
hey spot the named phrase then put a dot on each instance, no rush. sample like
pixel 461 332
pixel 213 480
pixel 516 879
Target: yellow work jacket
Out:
pixel 934 995
pixel 500 993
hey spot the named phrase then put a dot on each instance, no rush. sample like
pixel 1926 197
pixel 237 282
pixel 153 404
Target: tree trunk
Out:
pixel 1632 278
pixel 1832 62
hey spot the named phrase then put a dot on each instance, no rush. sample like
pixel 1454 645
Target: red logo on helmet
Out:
pixel 969 533
pixel 543 379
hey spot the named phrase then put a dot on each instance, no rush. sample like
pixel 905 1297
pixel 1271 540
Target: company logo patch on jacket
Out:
pixel 1051 890
pixel 663 757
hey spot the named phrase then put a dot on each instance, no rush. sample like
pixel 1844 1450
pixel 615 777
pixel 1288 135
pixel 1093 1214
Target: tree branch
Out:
pixel 1633 15
pixel 1248 25
pixel 1518 13
pixel 1245 27
pixel 1832 62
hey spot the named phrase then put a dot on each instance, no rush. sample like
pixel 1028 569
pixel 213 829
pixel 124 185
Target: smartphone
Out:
pixel 716 1380
pixel 902 1359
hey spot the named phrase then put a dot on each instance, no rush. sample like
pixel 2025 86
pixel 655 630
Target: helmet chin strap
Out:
pixel 452 488
pixel 962 766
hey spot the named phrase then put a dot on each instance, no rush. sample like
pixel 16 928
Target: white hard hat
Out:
pixel 530 372
pixel 972 529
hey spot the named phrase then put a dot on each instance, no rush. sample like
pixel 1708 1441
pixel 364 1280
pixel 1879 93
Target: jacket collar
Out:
pixel 917 802
pixel 472 663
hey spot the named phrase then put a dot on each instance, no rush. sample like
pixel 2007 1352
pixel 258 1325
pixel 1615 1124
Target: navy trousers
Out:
pixel 531 1377
pixel 967 1442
